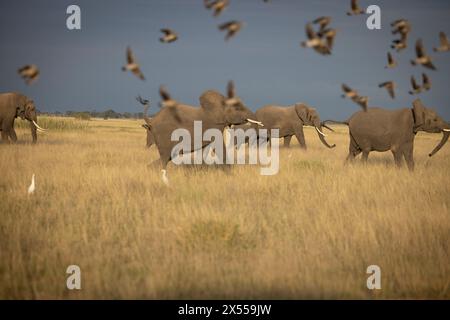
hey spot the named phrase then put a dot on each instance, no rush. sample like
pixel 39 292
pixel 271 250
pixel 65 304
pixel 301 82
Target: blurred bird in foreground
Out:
pixel 29 72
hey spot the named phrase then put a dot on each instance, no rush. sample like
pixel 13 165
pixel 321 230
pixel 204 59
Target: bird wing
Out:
pixel 226 25
pixel 443 39
pixel 166 31
pixel 310 33
pixel 24 68
pixel 390 89
pixel 354 5
pixel 390 59
pixel 130 56
pixel 425 79
pixel 330 41
pixel 137 71
pixel 420 52
pixel 346 88
pixel 414 84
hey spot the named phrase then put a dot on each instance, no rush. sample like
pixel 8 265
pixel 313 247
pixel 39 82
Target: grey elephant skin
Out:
pixel 290 121
pixel 150 138
pixel 214 113
pixel 381 130
pixel 13 105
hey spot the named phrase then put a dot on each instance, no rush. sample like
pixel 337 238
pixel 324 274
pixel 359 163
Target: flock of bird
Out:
pixel 321 40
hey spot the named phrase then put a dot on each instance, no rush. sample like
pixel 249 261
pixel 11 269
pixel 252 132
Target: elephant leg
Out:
pixel 5 131
pixel 287 141
pixel 397 158
pixel 408 153
pixel 365 156
pixel 12 135
pixel 353 150
pixel 300 137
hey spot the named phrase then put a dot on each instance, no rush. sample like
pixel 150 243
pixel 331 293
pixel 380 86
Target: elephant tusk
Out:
pixel 42 129
pixel 320 132
pixel 39 130
pixel 446 130
pixel 259 123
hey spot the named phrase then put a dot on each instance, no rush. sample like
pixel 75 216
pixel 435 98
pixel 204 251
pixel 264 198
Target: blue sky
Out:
pixel 80 70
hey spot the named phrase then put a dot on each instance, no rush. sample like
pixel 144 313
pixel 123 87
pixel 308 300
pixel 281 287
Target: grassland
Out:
pixel 308 232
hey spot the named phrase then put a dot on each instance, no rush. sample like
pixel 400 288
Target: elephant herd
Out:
pixel 372 129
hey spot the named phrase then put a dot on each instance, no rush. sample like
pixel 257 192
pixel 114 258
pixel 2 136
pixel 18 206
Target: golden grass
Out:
pixel 55 123
pixel 308 232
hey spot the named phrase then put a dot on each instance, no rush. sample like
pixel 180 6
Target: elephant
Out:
pixel 13 105
pixel 290 121
pixel 150 138
pixel 215 112
pixel 378 129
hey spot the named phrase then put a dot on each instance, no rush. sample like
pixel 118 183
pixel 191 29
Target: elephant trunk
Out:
pixel 322 135
pixel 445 135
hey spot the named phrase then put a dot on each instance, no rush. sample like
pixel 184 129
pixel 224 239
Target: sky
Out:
pixel 81 69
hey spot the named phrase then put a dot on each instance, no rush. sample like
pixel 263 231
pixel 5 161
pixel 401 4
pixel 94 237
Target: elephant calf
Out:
pixel 290 121
pixel 13 105
pixel 381 130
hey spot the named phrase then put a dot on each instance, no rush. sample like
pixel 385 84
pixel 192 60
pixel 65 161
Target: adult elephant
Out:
pixel 215 112
pixel 13 105
pixel 378 129
pixel 290 121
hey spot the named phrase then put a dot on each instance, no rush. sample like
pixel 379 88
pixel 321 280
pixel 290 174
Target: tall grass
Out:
pixel 55 123
pixel 309 232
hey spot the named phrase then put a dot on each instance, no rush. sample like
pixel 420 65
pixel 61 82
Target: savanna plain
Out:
pixel 308 232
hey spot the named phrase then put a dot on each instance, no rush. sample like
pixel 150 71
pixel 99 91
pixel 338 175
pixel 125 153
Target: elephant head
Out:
pixel 230 110
pixel 27 111
pixel 309 117
pixel 426 119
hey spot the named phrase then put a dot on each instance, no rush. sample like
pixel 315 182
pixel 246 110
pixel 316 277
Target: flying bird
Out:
pixel 444 43
pixel 402 27
pixel 391 62
pixel 32 186
pixel 390 87
pixel 422 57
pixel 29 73
pixel 232 28
pixel 355 9
pixel 426 82
pixel 169 36
pixel 132 65
pixel 314 41
pixel 218 6
pixel 167 101
pixel 354 96
pixel 416 89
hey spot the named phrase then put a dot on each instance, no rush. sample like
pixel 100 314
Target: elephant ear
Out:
pixel 211 100
pixel 302 112
pixel 419 114
pixel 21 104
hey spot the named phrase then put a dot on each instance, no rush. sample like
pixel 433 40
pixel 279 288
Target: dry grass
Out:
pixel 308 232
